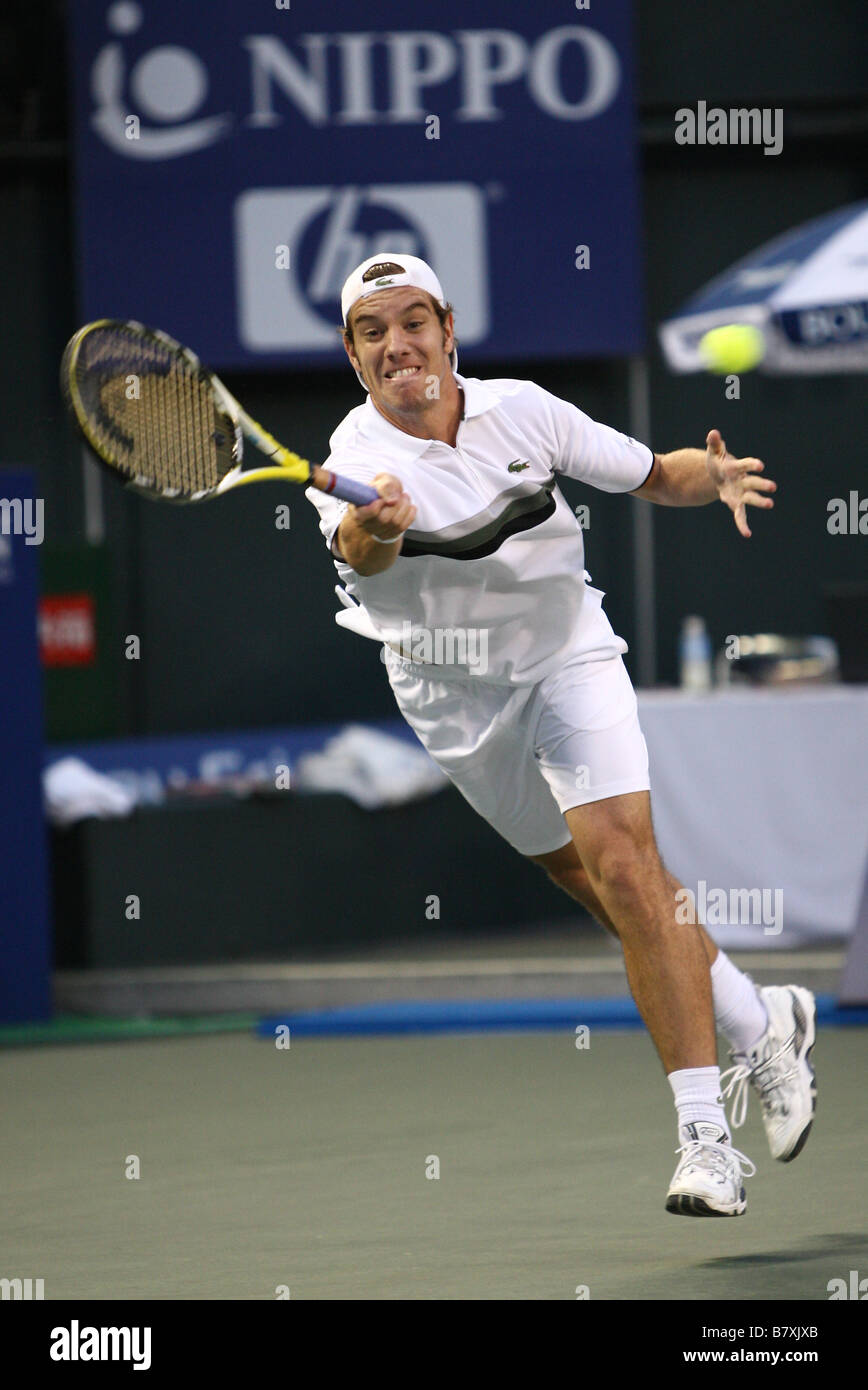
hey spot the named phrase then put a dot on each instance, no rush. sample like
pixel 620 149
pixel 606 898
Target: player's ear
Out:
pixel 348 348
pixel 448 334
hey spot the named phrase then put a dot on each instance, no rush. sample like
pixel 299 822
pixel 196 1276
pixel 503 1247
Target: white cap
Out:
pixel 386 271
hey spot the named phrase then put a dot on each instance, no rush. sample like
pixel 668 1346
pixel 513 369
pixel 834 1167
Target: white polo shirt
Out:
pixel 494 552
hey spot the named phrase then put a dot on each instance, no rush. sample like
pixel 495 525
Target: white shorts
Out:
pixel 524 754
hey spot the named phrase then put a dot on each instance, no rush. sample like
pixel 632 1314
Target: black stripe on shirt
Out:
pixel 533 511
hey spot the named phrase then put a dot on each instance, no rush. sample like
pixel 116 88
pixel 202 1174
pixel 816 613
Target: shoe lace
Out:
pixel 735 1083
pixel 767 1076
pixel 717 1156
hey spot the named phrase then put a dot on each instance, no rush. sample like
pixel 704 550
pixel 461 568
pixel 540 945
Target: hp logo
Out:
pixel 330 230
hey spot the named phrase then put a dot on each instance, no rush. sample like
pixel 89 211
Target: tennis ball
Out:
pixel 738 347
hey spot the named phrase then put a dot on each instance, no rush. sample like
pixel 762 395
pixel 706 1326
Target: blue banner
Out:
pixel 235 161
pixel 158 766
pixel 25 939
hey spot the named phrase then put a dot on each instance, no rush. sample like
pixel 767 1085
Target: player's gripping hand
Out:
pixel 391 516
pixel 736 480
pixel 369 537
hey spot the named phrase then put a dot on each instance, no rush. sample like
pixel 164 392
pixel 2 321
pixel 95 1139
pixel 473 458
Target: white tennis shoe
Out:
pixel 779 1069
pixel 708 1179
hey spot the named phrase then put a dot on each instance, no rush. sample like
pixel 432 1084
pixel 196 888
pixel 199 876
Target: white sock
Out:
pixel 698 1098
pixel 739 1012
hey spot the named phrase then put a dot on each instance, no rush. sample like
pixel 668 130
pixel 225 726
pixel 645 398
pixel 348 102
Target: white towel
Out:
pixel 73 791
pixel 372 768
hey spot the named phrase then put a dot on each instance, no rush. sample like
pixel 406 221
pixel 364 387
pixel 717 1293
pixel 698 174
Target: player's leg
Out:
pixel 668 971
pixel 770 1030
pixel 667 966
pixel 587 724
pixel 591 752
pixel 565 868
pixel 739 1010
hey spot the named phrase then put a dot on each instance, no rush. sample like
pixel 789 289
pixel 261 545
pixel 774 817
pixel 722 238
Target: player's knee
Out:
pixel 573 880
pixel 625 869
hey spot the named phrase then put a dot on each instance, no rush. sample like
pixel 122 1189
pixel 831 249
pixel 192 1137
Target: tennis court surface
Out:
pixel 311 1168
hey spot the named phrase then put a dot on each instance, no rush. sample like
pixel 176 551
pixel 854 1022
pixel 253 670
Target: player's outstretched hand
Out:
pixel 390 517
pixel 737 480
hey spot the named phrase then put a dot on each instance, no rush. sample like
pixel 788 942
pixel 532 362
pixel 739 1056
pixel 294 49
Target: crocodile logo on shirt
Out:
pixel 516 466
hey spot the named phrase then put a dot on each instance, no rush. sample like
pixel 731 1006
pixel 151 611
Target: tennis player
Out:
pixel 470 570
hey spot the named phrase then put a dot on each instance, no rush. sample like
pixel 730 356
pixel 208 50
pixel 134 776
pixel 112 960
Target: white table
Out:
pixel 764 789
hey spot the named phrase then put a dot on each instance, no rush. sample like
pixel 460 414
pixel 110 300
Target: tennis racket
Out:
pixel 166 425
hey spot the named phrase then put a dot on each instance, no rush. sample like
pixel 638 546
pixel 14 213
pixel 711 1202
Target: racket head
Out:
pixel 149 410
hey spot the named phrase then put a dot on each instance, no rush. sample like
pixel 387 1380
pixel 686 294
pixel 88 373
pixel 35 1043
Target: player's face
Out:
pixel 400 347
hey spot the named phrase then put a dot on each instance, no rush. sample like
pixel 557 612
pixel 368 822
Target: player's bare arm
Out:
pixel 691 478
pixel 370 538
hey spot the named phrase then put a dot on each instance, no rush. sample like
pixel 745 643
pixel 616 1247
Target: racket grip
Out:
pixel 348 490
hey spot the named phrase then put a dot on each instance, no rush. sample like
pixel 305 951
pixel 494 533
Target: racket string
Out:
pixel 153 413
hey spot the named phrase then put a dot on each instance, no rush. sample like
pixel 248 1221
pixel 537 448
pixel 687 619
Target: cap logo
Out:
pixel 382 268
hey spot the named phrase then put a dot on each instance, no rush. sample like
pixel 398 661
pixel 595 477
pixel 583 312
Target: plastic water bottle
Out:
pixel 694 655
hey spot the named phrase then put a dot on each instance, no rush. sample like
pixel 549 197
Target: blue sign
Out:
pixel 25 928
pixel 235 161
